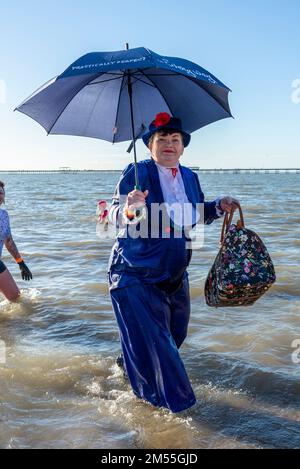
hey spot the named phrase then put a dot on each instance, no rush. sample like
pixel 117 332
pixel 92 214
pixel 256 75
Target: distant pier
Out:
pixel 194 168
pixel 246 170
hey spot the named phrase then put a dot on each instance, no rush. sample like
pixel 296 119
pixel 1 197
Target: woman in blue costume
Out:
pixel 147 274
pixel 8 286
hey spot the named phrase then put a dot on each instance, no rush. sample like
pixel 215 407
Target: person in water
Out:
pixel 8 286
pixel 147 275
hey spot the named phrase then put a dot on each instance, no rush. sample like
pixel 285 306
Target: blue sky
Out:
pixel 252 46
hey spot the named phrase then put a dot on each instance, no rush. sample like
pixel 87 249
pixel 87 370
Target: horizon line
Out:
pixel 195 168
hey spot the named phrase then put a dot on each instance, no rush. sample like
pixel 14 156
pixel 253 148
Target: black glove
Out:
pixel 25 272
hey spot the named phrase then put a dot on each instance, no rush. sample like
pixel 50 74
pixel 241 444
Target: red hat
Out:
pixel 163 121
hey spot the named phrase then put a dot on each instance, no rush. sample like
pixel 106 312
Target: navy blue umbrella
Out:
pixel 115 95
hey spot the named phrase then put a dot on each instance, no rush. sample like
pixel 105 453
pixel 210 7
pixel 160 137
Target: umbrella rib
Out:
pixel 209 93
pixel 121 89
pixel 161 74
pixel 155 86
pixel 48 131
pixel 189 78
pixel 124 84
pixel 104 81
pixel 142 81
pixel 35 92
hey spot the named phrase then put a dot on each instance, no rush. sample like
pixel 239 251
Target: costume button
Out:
pixel 115 278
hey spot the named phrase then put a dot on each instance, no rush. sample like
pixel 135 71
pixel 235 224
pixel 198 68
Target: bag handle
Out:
pixel 228 219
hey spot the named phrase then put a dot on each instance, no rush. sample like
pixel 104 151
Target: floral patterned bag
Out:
pixel 242 271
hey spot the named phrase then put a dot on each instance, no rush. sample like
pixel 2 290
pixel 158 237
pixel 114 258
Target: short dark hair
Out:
pixel 165 132
pixel 2 184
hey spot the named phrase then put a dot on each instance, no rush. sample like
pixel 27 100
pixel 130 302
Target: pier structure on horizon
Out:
pixel 67 170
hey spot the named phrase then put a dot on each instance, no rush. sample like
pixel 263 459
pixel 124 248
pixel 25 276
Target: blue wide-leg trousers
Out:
pixel 153 324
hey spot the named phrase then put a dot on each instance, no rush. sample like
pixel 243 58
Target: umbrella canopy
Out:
pixel 91 97
pixel 114 96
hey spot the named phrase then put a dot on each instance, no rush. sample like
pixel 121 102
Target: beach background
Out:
pixel 60 386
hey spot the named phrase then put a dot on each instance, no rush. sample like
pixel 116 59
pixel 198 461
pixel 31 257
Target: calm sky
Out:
pixel 251 46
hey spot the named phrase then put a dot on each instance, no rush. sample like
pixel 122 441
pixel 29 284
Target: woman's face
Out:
pixel 166 149
pixel 2 195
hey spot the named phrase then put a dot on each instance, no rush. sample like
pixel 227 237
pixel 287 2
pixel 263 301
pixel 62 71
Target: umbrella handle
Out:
pixel 140 212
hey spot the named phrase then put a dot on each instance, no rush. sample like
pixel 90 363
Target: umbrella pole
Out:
pixel 137 186
pixel 129 85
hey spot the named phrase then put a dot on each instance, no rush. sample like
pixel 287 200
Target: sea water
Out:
pixel 60 386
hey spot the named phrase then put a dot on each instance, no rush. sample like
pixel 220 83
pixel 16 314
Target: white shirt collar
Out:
pixel 166 169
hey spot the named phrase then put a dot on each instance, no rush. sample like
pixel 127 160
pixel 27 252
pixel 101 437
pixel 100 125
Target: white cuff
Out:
pixel 219 211
pixel 133 221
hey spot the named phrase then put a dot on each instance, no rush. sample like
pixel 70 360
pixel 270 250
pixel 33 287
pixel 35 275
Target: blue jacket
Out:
pixel 159 258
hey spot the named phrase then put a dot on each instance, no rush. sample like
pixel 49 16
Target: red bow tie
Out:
pixel 174 171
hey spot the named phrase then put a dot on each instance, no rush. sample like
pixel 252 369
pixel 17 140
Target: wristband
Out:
pixel 19 260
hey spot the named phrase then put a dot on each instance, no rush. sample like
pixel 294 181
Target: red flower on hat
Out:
pixel 163 118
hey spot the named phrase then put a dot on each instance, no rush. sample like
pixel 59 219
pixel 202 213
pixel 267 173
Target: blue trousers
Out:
pixel 153 324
